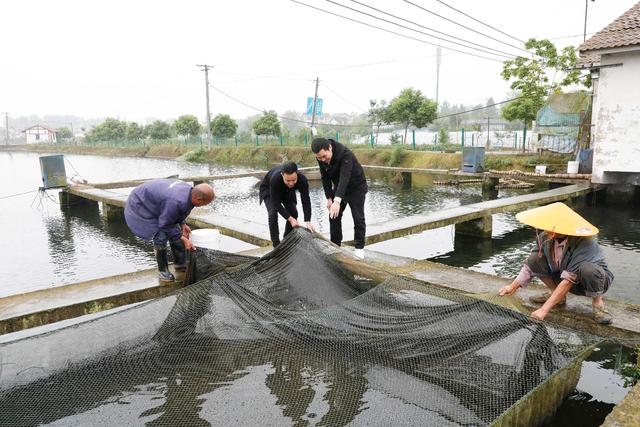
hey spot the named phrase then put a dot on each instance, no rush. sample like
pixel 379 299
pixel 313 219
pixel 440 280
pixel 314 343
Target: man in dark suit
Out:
pixel 278 190
pixel 344 184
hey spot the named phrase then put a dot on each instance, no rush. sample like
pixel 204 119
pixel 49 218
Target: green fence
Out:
pixel 509 141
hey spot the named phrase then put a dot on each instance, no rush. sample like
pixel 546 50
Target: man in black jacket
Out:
pixel 344 184
pixel 278 190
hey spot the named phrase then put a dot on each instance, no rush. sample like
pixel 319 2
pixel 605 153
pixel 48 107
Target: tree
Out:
pixel 187 125
pixel 267 125
pixel 64 133
pixel 378 114
pixel 109 130
pixel 410 107
pixel 134 132
pixel 159 130
pixel 223 126
pixel 530 78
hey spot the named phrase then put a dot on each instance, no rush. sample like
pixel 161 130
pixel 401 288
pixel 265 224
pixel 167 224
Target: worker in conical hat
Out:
pixel 567 258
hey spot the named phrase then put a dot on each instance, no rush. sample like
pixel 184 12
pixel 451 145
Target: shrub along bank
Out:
pixel 266 156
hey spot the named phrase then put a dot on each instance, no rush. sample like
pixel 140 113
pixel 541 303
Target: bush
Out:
pixel 195 155
pixel 397 156
pixel 395 139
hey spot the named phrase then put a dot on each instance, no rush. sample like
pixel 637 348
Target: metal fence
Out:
pixel 420 139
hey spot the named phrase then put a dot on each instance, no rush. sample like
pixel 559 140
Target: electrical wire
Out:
pixel 18 194
pixel 359 126
pixel 341 97
pixel 393 32
pixel 326 70
pixel 412 29
pixel 464 26
pixel 478 21
pixel 500 52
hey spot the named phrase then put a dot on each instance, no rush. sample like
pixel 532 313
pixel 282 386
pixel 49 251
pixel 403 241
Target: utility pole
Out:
pixel 586 7
pixel 6 128
pixel 438 60
pixel 313 109
pixel 206 67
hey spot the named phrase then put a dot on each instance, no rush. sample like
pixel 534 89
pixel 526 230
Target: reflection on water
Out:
pixel 600 388
pixel 50 247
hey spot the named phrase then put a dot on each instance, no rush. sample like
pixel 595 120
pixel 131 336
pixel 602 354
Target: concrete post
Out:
pixel 489 183
pixel 480 227
pixel 112 213
pixel 68 200
pixel 406 180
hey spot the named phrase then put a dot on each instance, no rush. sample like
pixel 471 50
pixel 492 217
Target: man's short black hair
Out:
pixel 320 144
pixel 289 167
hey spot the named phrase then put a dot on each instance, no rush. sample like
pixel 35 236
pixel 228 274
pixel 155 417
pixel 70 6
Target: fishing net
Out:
pixel 297 337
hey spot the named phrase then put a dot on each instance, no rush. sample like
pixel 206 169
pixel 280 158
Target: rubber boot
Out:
pixel 163 266
pixel 179 255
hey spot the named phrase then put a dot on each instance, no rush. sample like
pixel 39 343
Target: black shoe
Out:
pixel 179 255
pixel 163 266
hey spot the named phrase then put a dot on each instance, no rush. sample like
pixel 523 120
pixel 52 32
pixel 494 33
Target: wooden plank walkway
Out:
pixel 431 220
pixel 203 178
pixel 257 234
pixel 524 176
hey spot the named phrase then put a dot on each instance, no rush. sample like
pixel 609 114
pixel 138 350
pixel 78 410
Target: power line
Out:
pixel 477 20
pixel 465 27
pixel 326 70
pixel 413 29
pixel 341 97
pixel 500 52
pixel 393 32
pixel 359 126
pixel 479 108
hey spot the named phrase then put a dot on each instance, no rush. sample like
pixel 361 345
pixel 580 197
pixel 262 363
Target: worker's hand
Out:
pixel 186 231
pixel 329 203
pixel 310 227
pixel 187 244
pixel 508 290
pixel 294 222
pixel 334 210
pixel 539 314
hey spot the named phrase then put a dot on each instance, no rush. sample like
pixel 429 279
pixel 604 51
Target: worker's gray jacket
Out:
pixel 577 251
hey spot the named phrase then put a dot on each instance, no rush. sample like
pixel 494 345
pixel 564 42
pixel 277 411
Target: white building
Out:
pixel 613 56
pixel 40 134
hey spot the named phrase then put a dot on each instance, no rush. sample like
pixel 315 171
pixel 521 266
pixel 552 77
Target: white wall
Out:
pixel 38 135
pixel 616 117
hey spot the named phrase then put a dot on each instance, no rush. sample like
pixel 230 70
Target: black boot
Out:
pixel 179 255
pixel 163 266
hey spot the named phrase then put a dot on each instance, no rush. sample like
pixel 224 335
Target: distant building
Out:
pixel 559 122
pixel 40 134
pixel 613 56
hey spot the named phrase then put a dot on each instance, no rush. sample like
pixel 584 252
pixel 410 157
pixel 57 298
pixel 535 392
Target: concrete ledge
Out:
pixel 575 315
pixel 23 311
pixel 627 412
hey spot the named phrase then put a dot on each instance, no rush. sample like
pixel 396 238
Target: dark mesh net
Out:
pixel 293 338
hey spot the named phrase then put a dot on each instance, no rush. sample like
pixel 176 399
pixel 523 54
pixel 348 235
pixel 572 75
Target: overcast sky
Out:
pixel 135 60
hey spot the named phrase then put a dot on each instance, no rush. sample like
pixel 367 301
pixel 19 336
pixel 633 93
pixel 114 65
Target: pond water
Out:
pixel 43 246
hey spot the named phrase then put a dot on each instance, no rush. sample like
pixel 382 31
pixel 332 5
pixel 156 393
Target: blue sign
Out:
pixel 310 106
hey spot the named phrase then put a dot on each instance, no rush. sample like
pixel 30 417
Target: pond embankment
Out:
pixel 265 156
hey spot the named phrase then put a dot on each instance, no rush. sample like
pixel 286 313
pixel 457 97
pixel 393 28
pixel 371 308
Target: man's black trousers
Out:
pixel 356 204
pixel 274 230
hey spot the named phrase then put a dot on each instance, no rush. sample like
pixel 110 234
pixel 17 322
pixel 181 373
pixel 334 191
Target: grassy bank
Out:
pixel 266 156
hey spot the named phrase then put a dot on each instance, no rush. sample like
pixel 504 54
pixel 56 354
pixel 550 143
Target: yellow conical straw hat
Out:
pixel 559 218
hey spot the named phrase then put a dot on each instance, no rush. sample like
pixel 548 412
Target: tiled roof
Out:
pixel 588 60
pixel 41 126
pixel 624 31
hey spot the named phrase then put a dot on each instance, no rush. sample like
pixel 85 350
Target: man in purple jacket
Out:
pixel 157 210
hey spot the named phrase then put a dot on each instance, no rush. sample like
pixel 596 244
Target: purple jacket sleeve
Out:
pixel 169 217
